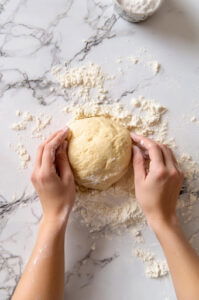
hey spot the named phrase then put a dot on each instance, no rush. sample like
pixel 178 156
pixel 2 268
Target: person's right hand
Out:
pixel 53 178
pixel 157 188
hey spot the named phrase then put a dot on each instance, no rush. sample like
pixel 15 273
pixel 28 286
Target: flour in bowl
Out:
pixel 140 6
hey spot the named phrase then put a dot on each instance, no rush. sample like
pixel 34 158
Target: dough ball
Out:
pixel 99 152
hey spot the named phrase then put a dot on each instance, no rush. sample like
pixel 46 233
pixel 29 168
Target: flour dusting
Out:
pixel 116 209
pixel 154 268
pixel 105 210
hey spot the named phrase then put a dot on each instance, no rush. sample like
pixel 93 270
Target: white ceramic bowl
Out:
pixel 134 16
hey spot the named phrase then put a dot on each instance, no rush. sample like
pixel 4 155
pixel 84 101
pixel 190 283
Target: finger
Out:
pixel 168 159
pixel 50 148
pixel 61 160
pixel 176 162
pixel 173 157
pixel 52 136
pixel 138 164
pixel 55 134
pixel 38 159
pixel 154 151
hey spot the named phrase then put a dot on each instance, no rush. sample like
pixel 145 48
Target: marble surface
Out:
pixel 36 35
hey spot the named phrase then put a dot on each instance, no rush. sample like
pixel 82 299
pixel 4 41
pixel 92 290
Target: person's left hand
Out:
pixel 52 177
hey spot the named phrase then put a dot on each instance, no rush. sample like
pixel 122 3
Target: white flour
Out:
pixel 106 210
pixel 116 209
pixel 23 155
pixel 155 66
pixel 83 80
pixel 154 268
pixel 140 6
pixel 38 122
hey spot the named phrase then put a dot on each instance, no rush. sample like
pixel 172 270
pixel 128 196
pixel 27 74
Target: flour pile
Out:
pixel 116 209
pixel 86 88
pixel 154 268
pixel 140 6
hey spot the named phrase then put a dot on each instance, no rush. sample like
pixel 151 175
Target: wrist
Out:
pixel 159 223
pixel 56 220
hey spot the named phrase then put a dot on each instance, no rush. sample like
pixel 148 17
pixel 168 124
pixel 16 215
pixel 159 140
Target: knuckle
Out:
pixel 154 146
pixel 174 173
pixel 48 146
pixel 161 173
pixel 43 177
pixel 162 145
pixel 165 147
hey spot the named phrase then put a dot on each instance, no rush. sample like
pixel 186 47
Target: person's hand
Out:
pixel 157 187
pixel 52 177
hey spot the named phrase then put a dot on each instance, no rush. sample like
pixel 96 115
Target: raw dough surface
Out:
pixel 99 151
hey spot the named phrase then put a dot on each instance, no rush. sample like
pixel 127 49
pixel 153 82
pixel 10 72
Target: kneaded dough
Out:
pixel 99 151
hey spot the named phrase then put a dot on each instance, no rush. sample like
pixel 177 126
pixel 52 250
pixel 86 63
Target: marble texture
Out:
pixel 36 35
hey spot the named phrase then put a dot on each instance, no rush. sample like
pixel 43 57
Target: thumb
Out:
pixel 62 163
pixel 138 164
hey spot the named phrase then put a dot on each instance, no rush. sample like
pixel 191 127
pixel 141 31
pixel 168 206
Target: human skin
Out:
pixel 157 192
pixel 43 277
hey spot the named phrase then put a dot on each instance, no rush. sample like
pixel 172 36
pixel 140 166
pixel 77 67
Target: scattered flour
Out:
pixel 19 126
pixel 137 236
pixel 134 60
pixel 118 60
pixel 147 118
pixel 23 155
pixel 144 121
pixel 155 66
pixel 154 268
pixel 112 210
pixel 157 269
pixel 18 113
pixel 39 122
pixel 194 120
pixel 116 209
pixel 23 123
pixel 83 81
pixel 187 118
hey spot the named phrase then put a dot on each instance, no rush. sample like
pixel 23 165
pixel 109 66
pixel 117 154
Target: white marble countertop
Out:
pixel 36 35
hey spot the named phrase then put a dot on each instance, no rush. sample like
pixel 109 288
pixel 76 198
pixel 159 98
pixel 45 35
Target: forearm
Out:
pixel 182 260
pixel 44 273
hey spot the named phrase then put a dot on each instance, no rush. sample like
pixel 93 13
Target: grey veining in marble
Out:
pixel 35 36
